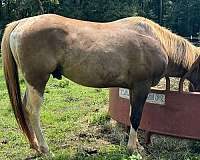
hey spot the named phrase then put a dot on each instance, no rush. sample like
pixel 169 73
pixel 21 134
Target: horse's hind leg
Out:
pixel 34 98
pixel 34 142
pixel 137 99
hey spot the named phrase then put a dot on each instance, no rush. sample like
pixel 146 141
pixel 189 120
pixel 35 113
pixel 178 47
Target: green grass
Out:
pixel 77 127
pixel 72 119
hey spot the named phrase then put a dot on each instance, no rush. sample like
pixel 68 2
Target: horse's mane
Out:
pixel 178 49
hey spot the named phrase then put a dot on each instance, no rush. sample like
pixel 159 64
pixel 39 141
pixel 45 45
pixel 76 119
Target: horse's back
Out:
pixel 92 54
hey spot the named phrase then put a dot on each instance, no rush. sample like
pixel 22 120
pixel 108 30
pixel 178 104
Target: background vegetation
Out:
pixel 181 16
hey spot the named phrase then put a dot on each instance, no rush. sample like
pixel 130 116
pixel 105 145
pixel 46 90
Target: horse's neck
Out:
pixel 181 55
pixel 179 51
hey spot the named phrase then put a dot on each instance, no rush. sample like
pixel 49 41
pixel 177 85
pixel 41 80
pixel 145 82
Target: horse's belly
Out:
pixel 96 75
pixel 91 80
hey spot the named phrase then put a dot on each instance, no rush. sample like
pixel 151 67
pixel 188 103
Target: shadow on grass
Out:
pixel 111 153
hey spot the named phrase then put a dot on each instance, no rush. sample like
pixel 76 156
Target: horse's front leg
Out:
pixel 138 97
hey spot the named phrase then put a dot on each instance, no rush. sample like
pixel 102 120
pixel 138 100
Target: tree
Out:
pixel 0 8
pixel 181 16
pixel 41 7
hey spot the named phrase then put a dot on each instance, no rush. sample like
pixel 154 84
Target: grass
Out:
pixel 77 127
pixel 74 120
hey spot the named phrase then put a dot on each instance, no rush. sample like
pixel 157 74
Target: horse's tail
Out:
pixel 12 80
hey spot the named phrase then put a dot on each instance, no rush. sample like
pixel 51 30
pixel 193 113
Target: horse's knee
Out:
pixel 34 97
pixel 32 101
pixel 30 109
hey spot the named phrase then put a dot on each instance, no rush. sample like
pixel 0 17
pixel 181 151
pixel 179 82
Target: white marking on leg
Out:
pixel 133 140
pixel 34 102
pixel 34 142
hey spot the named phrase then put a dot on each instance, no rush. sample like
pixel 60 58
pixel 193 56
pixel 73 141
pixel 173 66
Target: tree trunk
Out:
pixel 18 9
pixel 8 11
pixel 41 7
pixel 1 15
pixel 188 19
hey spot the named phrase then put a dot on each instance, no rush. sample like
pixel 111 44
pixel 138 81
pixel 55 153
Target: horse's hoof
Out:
pixel 46 154
pixel 135 148
pixel 44 150
pixel 140 147
pixel 35 147
pixel 132 148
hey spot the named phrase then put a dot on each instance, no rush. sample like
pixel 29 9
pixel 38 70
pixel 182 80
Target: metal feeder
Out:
pixel 172 113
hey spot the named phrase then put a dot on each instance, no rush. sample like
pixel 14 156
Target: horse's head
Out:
pixel 194 76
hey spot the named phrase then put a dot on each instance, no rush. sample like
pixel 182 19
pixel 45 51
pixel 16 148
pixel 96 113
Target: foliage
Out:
pixel 182 16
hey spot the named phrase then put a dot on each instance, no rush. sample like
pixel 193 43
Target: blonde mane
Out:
pixel 178 49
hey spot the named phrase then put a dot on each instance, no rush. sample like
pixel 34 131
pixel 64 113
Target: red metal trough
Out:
pixel 177 114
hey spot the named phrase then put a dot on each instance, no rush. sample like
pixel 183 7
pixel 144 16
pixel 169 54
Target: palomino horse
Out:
pixel 133 53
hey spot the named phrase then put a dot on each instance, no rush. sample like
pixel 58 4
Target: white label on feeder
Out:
pixel 154 98
pixel 124 93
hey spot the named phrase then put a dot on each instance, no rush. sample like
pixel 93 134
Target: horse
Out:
pixel 133 53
